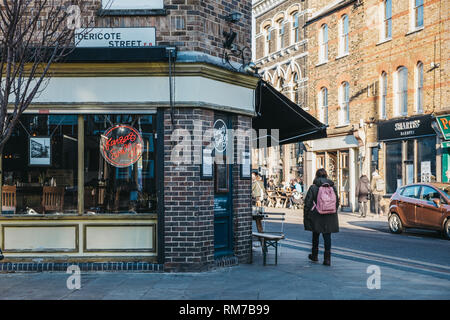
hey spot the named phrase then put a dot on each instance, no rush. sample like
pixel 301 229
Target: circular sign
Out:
pixel 121 146
pixel 220 135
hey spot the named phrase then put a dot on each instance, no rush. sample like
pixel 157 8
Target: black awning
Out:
pixel 275 111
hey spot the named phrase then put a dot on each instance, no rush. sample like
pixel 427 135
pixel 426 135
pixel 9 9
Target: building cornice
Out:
pixel 281 53
pixel 263 6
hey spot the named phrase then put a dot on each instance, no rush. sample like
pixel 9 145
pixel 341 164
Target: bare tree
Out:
pixel 34 34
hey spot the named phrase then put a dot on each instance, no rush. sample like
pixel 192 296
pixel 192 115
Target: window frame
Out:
pixel 419 88
pixel 383 95
pixel 323 44
pixel 387 20
pixel 323 105
pixel 344 39
pixel 401 92
pixel 344 102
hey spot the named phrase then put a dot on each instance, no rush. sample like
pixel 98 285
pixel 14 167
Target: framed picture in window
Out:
pixel 206 172
pixel 39 151
pixel 246 166
pixel 221 175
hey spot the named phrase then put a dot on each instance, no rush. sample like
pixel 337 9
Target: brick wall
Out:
pixel 191 25
pixel 189 201
pixel 242 202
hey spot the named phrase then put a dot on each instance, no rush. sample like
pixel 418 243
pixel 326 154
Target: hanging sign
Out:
pixel 121 146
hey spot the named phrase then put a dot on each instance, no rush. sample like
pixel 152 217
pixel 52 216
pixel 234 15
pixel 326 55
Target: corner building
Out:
pixel 377 75
pixel 73 204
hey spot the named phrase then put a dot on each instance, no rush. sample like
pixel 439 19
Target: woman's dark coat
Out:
pixel 363 189
pixel 314 221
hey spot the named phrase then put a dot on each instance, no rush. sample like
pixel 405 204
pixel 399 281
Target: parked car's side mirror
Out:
pixel 437 202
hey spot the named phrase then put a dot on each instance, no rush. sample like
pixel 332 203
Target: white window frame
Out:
pixel 383 95
pixel 400 95
pixel 323 44
pixel 281 30
pixel 413 16
pixel 344 39
pixel 323 105
pixel 344 102
pixel 419 88
pixel 295 28
pixel 267 41
pixel 385 21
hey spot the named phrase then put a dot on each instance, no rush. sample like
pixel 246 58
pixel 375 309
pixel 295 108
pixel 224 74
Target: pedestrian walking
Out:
pixel 362 193
pixel 258 190
pixel 377 187
pixel 320 214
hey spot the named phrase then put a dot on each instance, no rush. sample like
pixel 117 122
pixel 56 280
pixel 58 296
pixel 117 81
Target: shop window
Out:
pixel 393 166
pixel 426 159
pixel 320 160
pixel 110 188
pixel 374 159
pixel 344 178
pixel 40 161
pixel 41 158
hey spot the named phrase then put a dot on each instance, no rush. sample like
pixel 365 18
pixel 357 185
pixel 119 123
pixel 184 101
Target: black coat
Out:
pixel 314 221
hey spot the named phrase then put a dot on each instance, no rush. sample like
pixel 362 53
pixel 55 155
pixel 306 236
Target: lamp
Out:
pixel 233 17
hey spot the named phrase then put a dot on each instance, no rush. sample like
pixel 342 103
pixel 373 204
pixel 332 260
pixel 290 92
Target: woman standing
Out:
pixel 362 193
pixel 324 224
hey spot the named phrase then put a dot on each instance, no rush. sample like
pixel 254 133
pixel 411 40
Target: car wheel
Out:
pixel 447 229
pixel 395 224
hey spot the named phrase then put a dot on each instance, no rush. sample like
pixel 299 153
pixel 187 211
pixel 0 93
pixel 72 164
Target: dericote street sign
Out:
pixel 444 125
pixel 116 37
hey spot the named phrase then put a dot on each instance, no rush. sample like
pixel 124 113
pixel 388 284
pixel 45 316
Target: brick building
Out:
pixel 377 74
pixel 280 52
pixel 166 84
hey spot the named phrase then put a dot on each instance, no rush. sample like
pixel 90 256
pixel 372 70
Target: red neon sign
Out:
pixel 121 146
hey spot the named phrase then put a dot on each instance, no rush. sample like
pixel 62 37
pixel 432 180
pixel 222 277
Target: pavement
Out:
pixel 353 275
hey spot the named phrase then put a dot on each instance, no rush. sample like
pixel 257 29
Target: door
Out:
pixel 223 237
pixel 427 213
pixel 344 179
pixel 407 203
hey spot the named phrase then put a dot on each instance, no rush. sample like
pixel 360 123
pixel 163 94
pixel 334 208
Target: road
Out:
pixel 370 239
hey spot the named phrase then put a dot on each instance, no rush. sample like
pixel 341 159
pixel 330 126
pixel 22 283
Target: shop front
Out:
pixel 340 161
pixel 92 173
pixel 409 155
pixel 443 128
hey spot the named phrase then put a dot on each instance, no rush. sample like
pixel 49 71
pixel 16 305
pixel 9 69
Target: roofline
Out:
pixel 328 12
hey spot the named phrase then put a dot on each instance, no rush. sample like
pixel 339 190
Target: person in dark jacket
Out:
pixel 362 193
pixel 324 224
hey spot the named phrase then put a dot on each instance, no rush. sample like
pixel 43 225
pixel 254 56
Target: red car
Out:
pixel 421 205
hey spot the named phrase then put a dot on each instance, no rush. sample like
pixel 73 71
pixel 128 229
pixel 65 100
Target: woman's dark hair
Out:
pixel 321 173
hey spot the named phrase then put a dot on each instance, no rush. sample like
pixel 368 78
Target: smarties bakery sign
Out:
pixel 121 146
pixel 116 37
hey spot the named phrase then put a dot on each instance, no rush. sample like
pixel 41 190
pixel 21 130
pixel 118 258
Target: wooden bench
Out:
pixel 268 240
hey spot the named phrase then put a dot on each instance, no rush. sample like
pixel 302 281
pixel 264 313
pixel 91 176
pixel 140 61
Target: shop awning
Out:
pixel 274 111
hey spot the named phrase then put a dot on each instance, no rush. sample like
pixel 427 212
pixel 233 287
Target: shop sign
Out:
pixel 121 146
pixel 220 136
pixel 115 37
pixel 444 125
pixel 405 128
